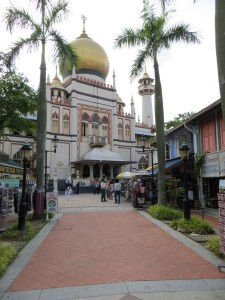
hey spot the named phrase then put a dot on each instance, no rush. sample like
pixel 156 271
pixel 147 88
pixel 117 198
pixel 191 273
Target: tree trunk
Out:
pixel 220 49
pixel 160 136
pixel 41 120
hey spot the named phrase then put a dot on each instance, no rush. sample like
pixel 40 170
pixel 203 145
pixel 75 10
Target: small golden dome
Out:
pixel 119 100
pixel 92 58
pixel 56 83
pixel 145 76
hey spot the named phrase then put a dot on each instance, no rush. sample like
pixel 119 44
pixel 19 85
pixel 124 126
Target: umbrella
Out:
pixel 125 175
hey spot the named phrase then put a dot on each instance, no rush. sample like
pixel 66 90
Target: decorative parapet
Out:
pixel 61 100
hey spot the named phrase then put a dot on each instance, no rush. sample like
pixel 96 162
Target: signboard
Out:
pixel 221 203
pixel 52 202
pixel 214 165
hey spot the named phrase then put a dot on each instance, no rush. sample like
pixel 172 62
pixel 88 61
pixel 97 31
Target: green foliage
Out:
pixel 214 245
pixel 178 120
pixel 7 255
pixel 194 225
pixel 51 215
pixel 13 234
pixel 17 100
pixel 163 212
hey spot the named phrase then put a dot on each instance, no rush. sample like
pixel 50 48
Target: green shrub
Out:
pixel 51 215
pixel 7 255
pixel 164 212
pixel 13 234
pixel 214 245
pixel 194 225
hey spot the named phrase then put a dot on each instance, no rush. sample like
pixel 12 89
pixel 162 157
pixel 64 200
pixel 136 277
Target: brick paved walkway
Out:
pixel 96 247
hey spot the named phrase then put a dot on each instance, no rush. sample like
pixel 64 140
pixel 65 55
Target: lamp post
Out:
pixel 55 141
pixel 25 152
pixel 184 152
pixel 149 150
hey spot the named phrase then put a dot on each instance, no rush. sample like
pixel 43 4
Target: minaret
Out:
pixel 146 89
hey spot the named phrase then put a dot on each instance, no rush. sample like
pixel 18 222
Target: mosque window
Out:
pixel 120 131
pixel 55 122
pixel 84 128
pixel 85 117
pixel 127 132
pixel 104 120
pixel 95 118
pixel 66 124
pixel 104 130
pixel 95 129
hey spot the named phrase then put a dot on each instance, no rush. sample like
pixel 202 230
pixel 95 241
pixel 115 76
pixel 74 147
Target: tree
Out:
pixel 155 36
pixel 41 33
pixel 181 118
pixel 220 49
pixel 17 100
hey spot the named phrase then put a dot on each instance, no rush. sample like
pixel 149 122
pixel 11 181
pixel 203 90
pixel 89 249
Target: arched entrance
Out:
pixel 86 171
pixel 96 171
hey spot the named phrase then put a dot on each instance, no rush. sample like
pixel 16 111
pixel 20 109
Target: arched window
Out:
pixel 105 126
pixel 55 122
pixel 120 131
pixel 66 124
pixel 127 132
pixel 95 124
pixel 85 119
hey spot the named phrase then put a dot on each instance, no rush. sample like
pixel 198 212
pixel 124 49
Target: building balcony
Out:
pixel 97 141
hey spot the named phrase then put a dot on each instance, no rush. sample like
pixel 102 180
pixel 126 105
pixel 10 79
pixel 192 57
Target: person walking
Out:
pixel 68 189
pixel 97 187
pixel 103 190
pixel 117 191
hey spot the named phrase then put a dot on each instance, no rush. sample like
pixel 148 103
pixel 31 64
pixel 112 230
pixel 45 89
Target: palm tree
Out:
pixel 220 49
pixel 41 33
pixel 155 36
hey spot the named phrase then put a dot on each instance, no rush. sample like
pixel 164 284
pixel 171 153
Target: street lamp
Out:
pixel 184 152
pixel 55 141
pixel 149 150
pixel 25 153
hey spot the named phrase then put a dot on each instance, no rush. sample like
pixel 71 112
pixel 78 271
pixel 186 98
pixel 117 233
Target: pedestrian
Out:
pixel 68 189
pixel 97 187
pixel 68 192
pixel 78 187
pixel 117 191
pixel 103 190
pixel 112 189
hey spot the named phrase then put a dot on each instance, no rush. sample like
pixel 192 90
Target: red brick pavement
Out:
pixel 105 247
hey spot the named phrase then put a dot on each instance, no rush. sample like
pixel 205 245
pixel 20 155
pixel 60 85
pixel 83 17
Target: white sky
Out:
pixel 188 72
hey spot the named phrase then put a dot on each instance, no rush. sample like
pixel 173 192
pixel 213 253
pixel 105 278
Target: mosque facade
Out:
pixel 96 135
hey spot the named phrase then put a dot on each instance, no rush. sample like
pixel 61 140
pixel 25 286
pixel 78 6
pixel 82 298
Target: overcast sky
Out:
pixel 188 72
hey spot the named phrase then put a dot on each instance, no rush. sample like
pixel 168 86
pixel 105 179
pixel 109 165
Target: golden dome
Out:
pixel 56 83
pixel 92 58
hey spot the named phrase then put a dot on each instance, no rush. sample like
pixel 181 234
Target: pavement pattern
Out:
pixel 111 251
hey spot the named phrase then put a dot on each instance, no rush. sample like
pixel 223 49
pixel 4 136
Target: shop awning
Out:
pixel 10 166
pixel 168 164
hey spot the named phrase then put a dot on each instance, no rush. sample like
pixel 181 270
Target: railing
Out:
pixel 97 141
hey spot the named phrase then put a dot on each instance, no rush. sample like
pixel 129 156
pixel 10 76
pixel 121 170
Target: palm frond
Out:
pixel 181 33
pixel 57 13
pixel 139 63
pixel 129 37
pixel 18 46
pixel 62 51
pixel 18 18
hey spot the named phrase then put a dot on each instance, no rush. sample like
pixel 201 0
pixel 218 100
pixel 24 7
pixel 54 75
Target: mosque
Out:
pixel 96 135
